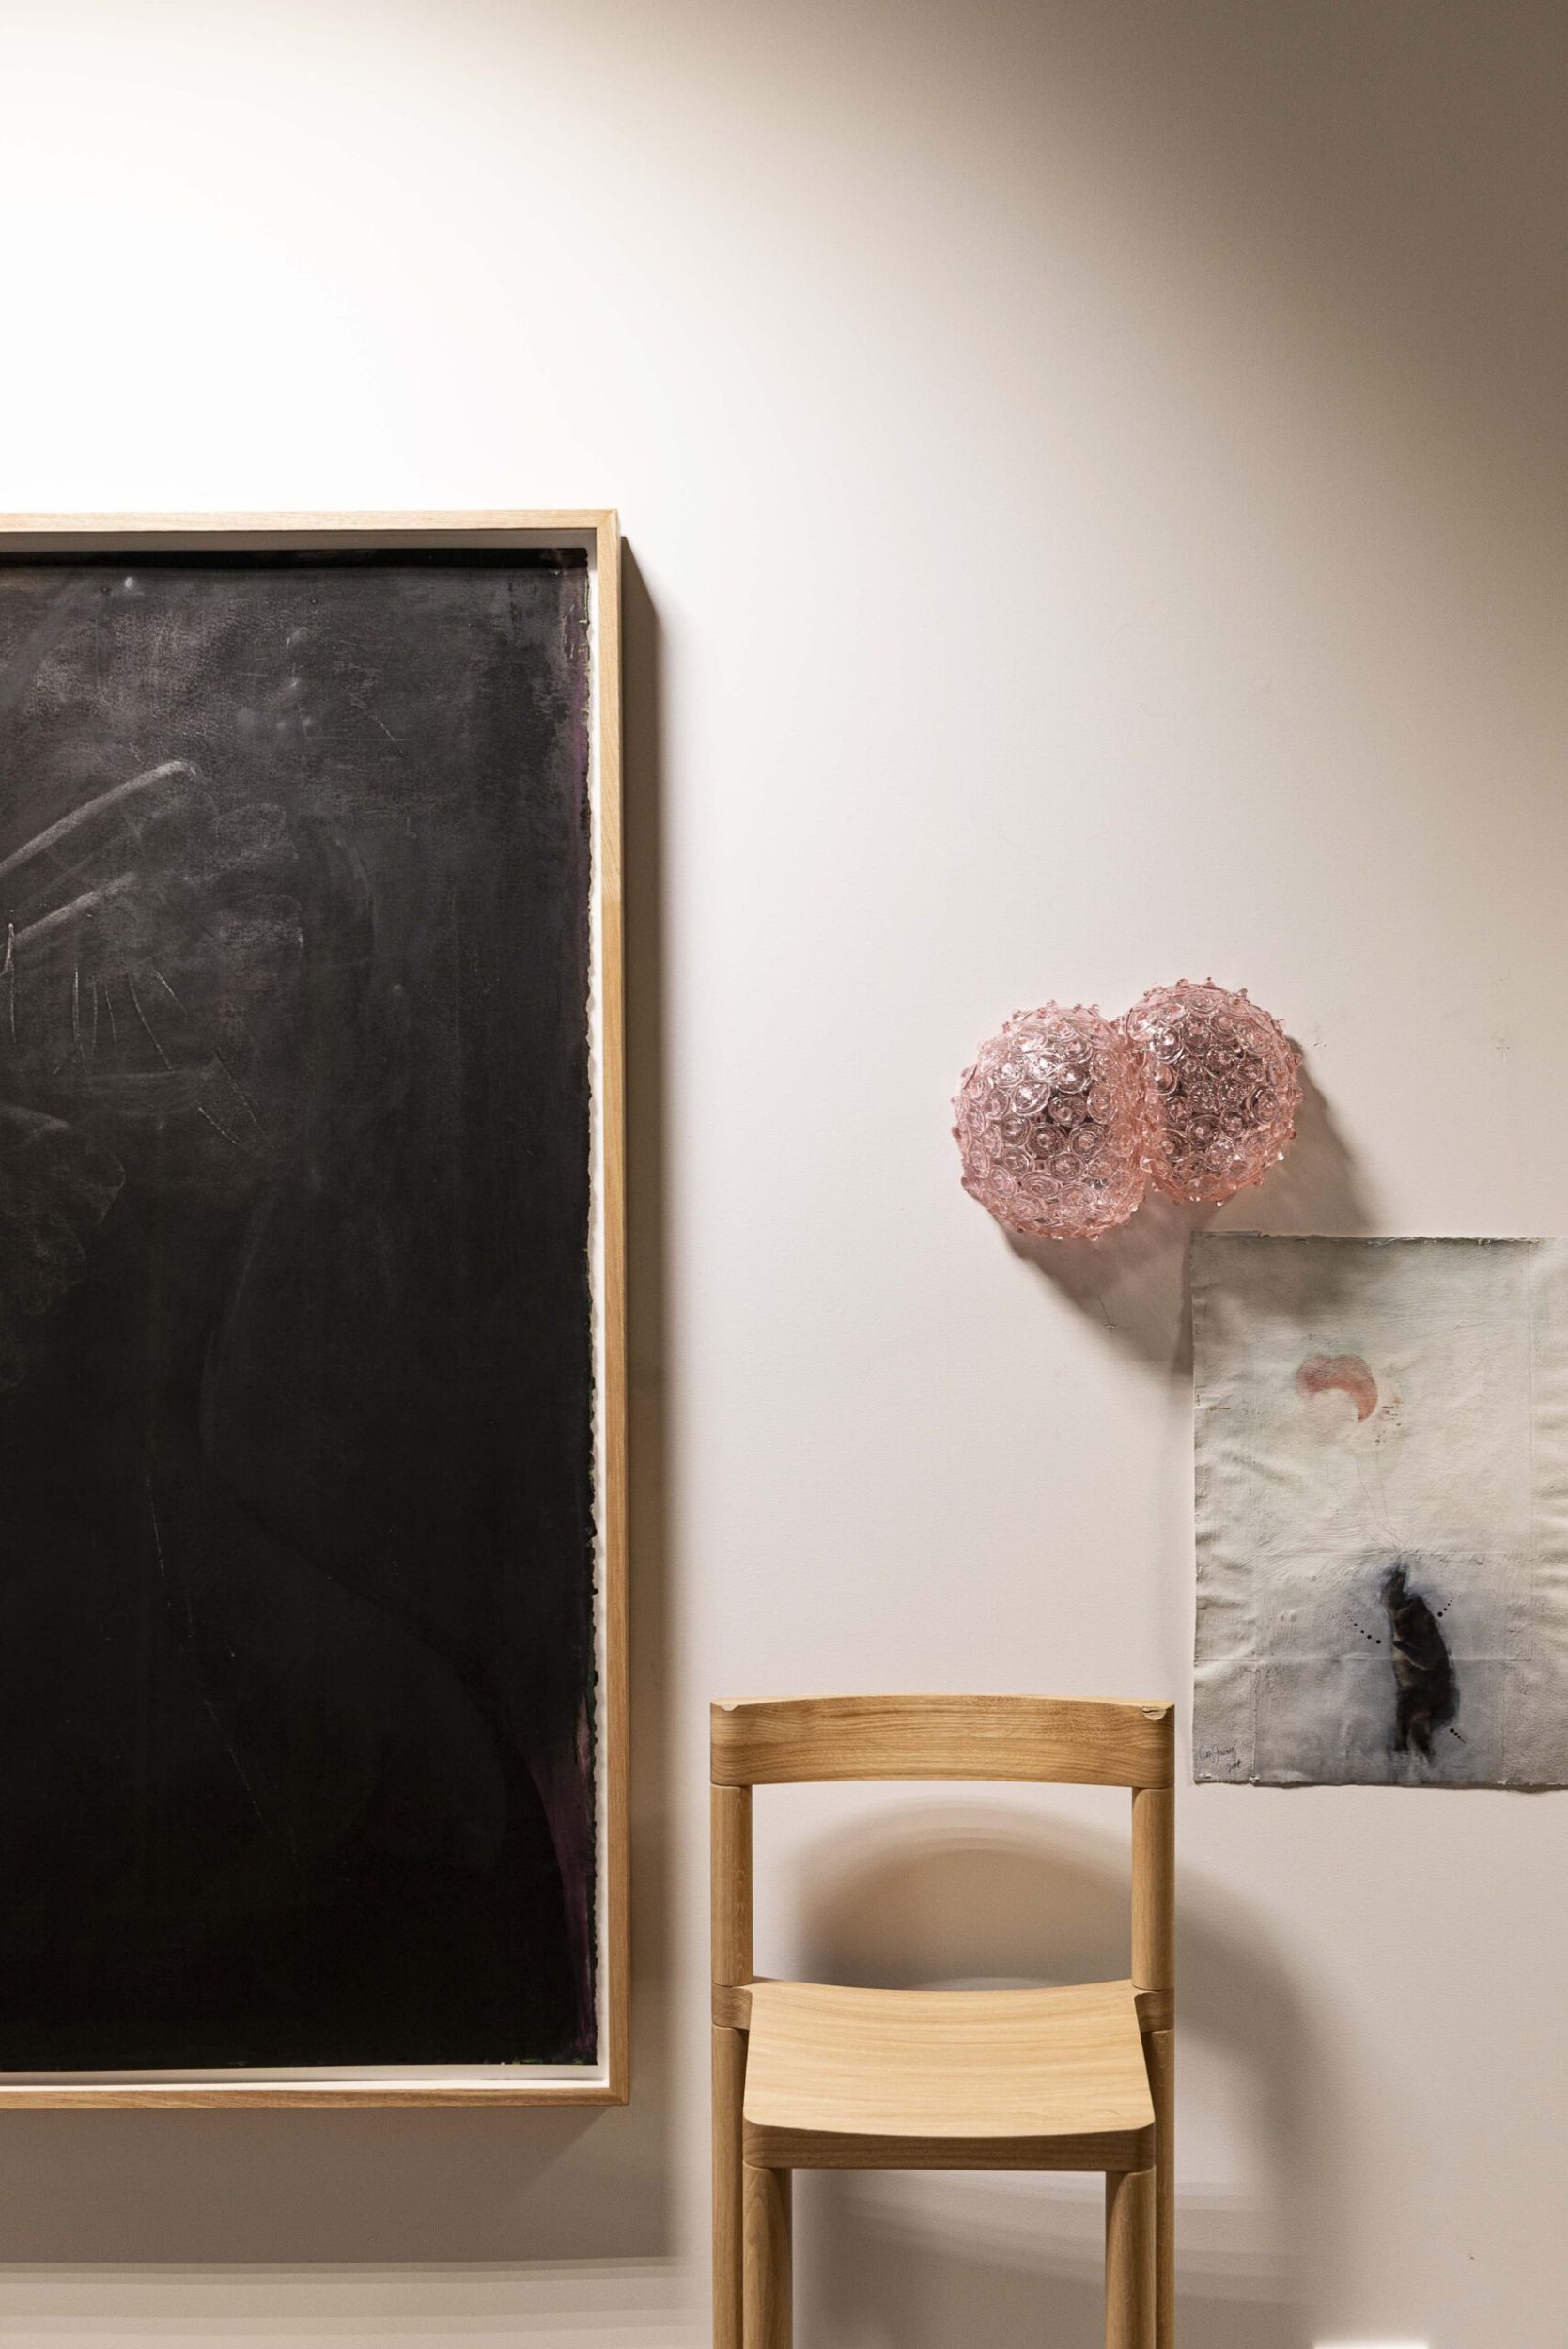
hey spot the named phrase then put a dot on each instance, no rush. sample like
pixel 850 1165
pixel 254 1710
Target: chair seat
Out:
pixel 917 2080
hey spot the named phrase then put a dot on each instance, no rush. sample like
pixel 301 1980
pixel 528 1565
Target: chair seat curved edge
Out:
pixel 844 2078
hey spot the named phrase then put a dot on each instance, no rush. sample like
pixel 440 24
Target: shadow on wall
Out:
pixel 965 1897
pixel 1134 1282
pixel 408 2186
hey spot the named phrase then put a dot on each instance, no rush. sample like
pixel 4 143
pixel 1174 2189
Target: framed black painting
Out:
pixel 312 1461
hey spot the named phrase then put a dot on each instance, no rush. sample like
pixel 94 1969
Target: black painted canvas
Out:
pixel 296 1364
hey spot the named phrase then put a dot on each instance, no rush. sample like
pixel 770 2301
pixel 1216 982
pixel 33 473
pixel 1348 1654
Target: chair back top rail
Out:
pixel 1073 1741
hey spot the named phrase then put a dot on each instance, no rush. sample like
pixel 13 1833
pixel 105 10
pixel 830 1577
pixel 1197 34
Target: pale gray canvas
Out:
pixel 1382 1511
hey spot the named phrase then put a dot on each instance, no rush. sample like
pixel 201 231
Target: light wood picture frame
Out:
pixel 93 849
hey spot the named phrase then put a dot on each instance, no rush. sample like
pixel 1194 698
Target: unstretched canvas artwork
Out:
pixel 298 1505
pixel 1382 1511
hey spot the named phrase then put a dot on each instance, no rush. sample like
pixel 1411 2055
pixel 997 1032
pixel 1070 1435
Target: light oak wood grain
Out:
pixel 1157 2009
pixel 1153 1888
pixel 82 534
pixel 1154 1972
pixel 600 532
pixel 730 1810
pixel 732 2007
pixel 838 2078
pixel 769 2320
pixel 730 1884
pixel 302 2095
pixel 596 529
pixel 1079 1741
pixel 1159 2048
pixel 1129 2261
pixel 849 2079
pixel 729 2080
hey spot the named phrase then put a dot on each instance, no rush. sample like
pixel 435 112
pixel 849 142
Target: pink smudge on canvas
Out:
pixel 1323 1374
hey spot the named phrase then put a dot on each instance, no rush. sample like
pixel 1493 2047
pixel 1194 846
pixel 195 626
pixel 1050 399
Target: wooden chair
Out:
pixel 810 2077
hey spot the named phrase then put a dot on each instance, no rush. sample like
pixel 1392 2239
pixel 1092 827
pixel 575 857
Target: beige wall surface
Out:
pixel 1095 478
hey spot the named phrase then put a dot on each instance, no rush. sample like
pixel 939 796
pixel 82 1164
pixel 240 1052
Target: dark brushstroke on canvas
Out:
pixel 1424 1671
pixel 1426 1690
pixel 295 1365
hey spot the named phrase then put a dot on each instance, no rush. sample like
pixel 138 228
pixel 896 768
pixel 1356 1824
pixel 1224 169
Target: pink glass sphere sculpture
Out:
pixel 1222 1088
pixel 1051 1123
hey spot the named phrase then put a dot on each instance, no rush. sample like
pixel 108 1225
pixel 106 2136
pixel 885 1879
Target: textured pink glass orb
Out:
pixel 1051 1123
pixel 1223 1089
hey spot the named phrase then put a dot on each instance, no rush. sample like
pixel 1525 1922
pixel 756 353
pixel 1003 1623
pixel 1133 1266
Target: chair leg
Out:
pixel 769 2321
pixel 729 2083
pixel 1160 2049
pixel 1129 2260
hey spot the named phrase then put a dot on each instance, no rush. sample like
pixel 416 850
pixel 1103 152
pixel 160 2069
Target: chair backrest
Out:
pixel 1076 1741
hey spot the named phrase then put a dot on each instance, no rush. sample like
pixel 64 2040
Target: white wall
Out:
pixel 1095 472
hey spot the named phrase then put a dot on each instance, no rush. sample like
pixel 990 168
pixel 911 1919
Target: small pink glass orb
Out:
pixel 1051 1123
pixel 1223 1089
